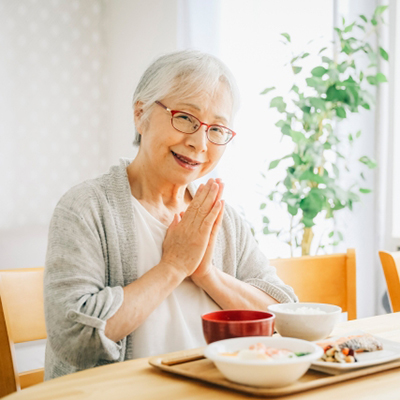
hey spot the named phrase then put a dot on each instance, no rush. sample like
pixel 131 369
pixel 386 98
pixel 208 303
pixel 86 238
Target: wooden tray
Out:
pixel 192 364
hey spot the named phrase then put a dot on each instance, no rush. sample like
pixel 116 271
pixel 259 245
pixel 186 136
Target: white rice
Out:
pixel 303 310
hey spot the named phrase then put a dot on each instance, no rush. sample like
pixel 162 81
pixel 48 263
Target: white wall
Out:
pixel 67 76
pixel 51 104
pixel 136 32
pixel 360 226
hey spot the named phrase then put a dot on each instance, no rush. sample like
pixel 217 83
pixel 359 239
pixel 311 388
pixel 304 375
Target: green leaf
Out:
pixel 358 134
pixel 340 112
pixel 265 91
pixel 342 67
pixel 335 169
pixel 298 137
pixel 364 18
pixel 350 137
pixel 312 204
pixel 331 234
pixel 383 54
pixel 281 123
pixel 310 176
pixel 292 210
pixel 379 10
pixel 380 77
pixel 366 106
pixel 295 89
pixel 274 164
pixel 278 103
pixel 296 159
pixel 374 22
pixel 266 220
pixel 333 94
pixel 365 190
pixel 318 103
pixel 361 76
pixel 296 70
pixel 287 36
pixel 286 130
pixel 327 146
pixel 262 206
pixel 305 55
pixel 349 28
pixel 368 162
pixel 372 80
pixel 323 49
pixel 318 71
pixel 362 176
pixel 308 222
pixel 288 182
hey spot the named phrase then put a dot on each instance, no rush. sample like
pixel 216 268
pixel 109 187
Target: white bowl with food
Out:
pixel 308 321
pixel 263 361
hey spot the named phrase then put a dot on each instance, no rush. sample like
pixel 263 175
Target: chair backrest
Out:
pixel 21 320
pixel 391 268
pixel 322 279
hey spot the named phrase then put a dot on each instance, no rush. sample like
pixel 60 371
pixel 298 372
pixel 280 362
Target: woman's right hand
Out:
pixel 187 238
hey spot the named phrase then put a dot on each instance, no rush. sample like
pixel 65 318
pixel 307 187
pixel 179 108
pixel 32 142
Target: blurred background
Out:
pixel 68 69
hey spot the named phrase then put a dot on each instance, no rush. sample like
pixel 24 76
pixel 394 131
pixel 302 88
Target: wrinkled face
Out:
pixel 178 157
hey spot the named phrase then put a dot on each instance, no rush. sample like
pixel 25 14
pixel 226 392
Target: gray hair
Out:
pixel 185 74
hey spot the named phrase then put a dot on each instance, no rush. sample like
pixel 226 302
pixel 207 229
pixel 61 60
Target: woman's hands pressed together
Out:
pixel 190 239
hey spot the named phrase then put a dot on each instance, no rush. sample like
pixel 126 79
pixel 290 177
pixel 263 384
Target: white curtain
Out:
pixel 388 147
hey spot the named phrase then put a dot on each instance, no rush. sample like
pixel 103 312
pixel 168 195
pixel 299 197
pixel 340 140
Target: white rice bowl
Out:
pixel 308 321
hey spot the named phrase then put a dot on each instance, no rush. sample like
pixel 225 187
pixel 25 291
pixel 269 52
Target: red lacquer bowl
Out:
pixel 228 324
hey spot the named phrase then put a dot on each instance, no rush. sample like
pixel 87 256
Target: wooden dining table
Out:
pixel 136 379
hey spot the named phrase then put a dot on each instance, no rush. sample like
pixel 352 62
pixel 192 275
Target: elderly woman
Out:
pixel 138 254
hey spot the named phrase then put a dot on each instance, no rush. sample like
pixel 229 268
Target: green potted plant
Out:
pixel 335 88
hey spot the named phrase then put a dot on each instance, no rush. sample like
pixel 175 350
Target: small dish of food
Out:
pixel 355 350
pixel 263 361
pixel 308 321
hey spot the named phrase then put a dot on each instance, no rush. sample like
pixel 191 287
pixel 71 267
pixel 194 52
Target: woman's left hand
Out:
pixel 206 266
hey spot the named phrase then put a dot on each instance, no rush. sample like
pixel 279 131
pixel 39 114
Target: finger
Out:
pixel 209 201
pixel 201 205
pixel 174 222
pixel 217 224
pixel 199 197
pixel 220 191
pixel 212 216
pixel 221 214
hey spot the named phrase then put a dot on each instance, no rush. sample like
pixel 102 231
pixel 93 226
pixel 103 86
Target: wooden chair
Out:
pixel 21 320
pixel 322 279
pixel 391 268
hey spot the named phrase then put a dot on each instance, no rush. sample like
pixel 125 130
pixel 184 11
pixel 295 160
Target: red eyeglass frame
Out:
pixel 173 112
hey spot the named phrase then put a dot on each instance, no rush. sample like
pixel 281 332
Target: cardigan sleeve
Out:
pixel 76 298
pixel 253 267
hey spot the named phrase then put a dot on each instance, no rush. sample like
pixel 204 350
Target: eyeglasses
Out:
pixel 187 123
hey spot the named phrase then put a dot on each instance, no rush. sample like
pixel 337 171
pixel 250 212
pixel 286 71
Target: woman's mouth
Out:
pixel 185 162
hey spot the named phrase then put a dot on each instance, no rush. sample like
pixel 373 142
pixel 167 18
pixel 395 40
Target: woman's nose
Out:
pixel 198 139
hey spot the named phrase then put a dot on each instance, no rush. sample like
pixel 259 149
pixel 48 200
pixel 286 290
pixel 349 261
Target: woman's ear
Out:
pixel 137 116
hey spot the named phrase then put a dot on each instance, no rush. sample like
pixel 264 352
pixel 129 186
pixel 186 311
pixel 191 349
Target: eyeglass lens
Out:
pixel 188 124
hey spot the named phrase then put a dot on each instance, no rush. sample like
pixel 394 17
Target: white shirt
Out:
pixel 176 323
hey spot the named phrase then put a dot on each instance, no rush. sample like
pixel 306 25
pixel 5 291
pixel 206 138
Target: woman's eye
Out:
pixel 217 129
pixel 184 117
